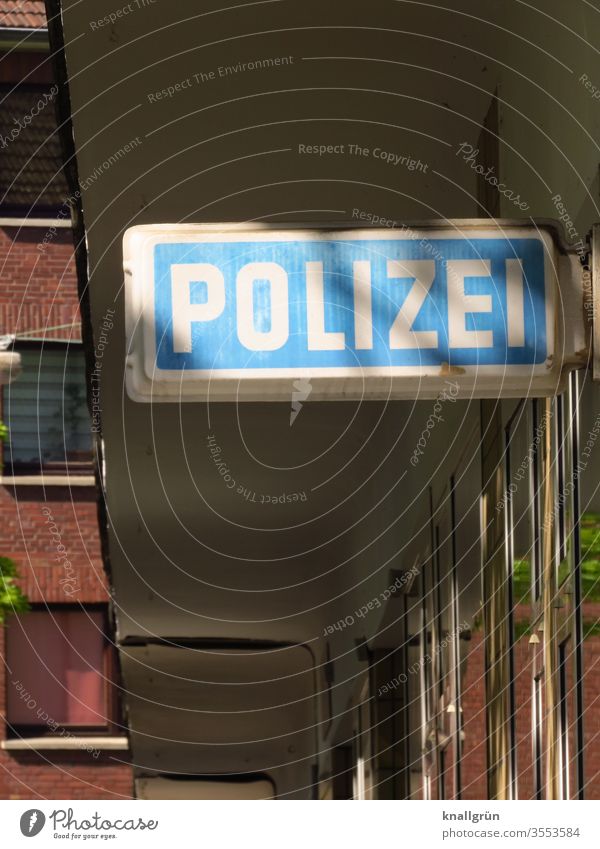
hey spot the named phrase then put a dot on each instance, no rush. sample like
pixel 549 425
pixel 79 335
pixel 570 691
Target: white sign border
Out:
pixel 253 384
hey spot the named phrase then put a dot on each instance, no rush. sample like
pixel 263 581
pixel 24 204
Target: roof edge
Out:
pixel 24 40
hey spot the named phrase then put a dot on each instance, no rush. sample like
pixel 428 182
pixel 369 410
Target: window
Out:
pixel 46 413
pixel 61 666
pixel 31 173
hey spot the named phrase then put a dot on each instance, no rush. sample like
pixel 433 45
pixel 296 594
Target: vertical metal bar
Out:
pixel 438 665
pixel 561 539
pixel 494 603
pixel 537 736
pixel 536 524
pixel 553 775
pixel 536 593
pixel 510 627
pixel 563 717
pixel 441 670
pixel 424 679
pixel 405 748
pixel 577 589
pixel 456 651
pixel 430 666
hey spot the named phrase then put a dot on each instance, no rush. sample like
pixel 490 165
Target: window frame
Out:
pixel 54 468
pixel 110 680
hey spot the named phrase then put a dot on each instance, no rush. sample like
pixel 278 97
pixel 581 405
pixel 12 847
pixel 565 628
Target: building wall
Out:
pixel 473 703
pixel 38 298
pixel 39 287
pixel 168 180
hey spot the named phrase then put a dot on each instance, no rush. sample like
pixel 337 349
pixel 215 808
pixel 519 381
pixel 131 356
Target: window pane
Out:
pixel 46 411
pixel 57 664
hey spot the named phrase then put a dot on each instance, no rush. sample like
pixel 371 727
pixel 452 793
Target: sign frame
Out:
pixel 564 300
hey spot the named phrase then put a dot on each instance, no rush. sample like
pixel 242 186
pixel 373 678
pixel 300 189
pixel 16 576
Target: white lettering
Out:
pixel 319 339
pixel 249 306
pixel 363 313
pixel 401 333
pixel 515 308
pixel 185 313
pixel 460 304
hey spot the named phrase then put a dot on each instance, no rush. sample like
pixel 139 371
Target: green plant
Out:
pixel 521 581
pixel 590 565
pixel 591 628
pixel 590 552
pixel 12 599
pixel 4 434
pixel 522 629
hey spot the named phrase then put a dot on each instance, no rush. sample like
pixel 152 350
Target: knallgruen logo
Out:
pixel 32 822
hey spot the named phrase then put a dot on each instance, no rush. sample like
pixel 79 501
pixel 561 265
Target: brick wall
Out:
pixel 38 291
pixel 69 775
pixel 32 67
pixel 24 536
pixel 474 778
pixel 474 752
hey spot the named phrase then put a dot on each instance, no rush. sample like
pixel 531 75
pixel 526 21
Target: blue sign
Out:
pixel 244 311
pixel 330 303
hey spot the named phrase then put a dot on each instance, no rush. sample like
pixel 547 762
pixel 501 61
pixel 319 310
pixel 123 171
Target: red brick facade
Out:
pixel 38 298
pixel 65 775
pixel 39 288
pixel 473 702
pixel 39 292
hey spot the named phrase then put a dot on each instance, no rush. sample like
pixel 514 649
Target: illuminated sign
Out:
pixel 242 312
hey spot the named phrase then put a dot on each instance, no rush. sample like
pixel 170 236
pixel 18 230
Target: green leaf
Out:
pixel 12 599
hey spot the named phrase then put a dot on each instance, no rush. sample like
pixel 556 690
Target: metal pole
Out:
pixel 577 589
